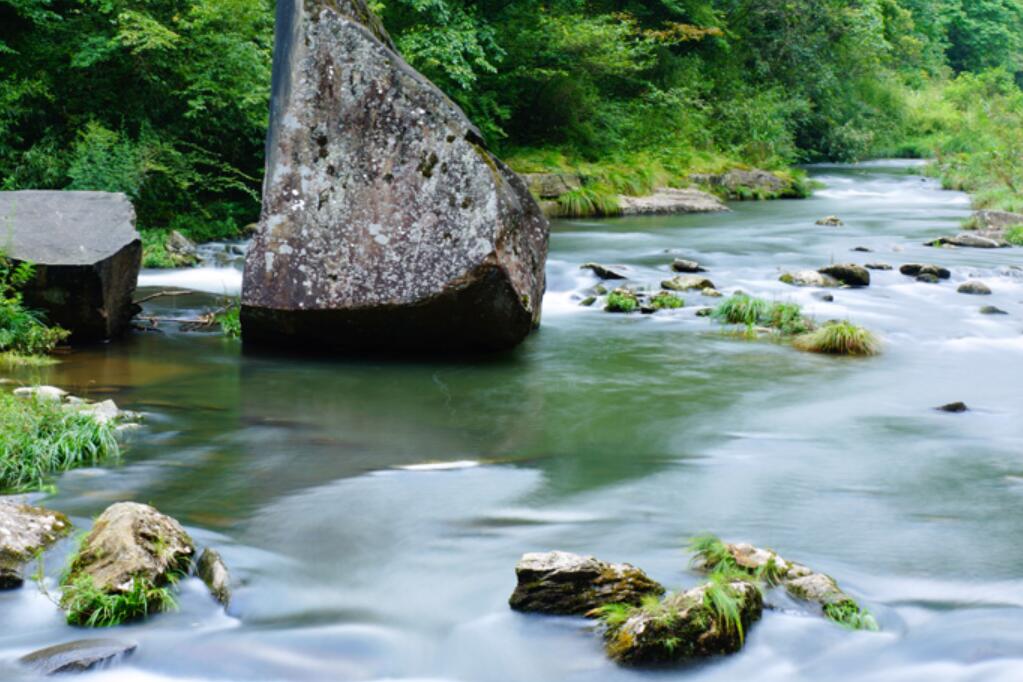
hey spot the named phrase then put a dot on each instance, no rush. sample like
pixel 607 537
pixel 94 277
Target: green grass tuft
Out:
pixel 665 301
pixel 39 438
pixel 1014 235
pixel 741 309
pixel 621 301
pixel 839 338
pixel 849 614
pixel 88 606
pixel 725 602
pixel 584 202
pixel 230 321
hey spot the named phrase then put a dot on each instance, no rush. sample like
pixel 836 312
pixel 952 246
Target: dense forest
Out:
pixel 166 100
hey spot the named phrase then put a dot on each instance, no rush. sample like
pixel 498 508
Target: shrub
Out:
pixel 839 338
pixel 39 438
pixel 621 301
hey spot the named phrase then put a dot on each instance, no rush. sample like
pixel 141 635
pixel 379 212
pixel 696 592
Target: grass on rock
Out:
pixel 621 301
pixel 839 338
pixel 88 606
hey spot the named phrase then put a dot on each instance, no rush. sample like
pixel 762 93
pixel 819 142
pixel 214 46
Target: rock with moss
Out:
pixel 974 288
pixel 831 221
pixel 25 531
pixel 849 274
pixel 925 270
pixel 181 250
pixel 687 282
pixel 622 301
pixel 561 583
pixel 212 570
pixel 969 240
pixel 387 223
pixel 552 185
pixel 809 278
pixel 687 266
pixel 126 566
pixel 709 620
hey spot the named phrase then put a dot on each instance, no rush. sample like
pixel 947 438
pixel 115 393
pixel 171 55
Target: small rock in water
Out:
pixel 683 265
pixel 588 301
pixel 831 221
pixel 212 571
pixel 968 240
pixel 954 408
pixel 849 274
pixel 560 583
pixel 992 310
pixel 928 278
pixel 602 271
pixel 78 657
pixel 878 266
pixel 809 278
pixel 712 293
pixel 704 312
pixel 687 282
pixel 10 578
pixel 862 249
pixel 975 288
pixel 824 296
pixel 917 269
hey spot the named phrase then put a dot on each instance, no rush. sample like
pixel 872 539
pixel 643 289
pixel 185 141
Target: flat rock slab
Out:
pixel 667 200
pixel 562 583
pixel 24 531
pixel 79 656
pixel 87 256
pixel 387 225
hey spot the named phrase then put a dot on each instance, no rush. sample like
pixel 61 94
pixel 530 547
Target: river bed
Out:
pixel 372 512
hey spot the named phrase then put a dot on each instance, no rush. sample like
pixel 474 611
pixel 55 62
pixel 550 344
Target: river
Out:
pixel 372 512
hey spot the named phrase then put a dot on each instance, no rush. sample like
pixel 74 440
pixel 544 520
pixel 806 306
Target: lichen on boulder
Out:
pixel 561 583
pixel 25 531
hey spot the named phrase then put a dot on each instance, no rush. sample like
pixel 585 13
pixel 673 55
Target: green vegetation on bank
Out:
pixel 39 438
pixel 167 101
pixel 24 336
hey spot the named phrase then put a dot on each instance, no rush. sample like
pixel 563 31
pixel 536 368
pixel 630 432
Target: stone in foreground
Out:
pixel 130 542
pixel 387 225
pixel 25 531
pixel 87 256
pixel 684 626
pixel 560 583
pixel 79 656
pixel 213 572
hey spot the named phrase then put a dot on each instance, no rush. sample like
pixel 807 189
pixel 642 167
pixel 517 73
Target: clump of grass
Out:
pixel 666 301
pixel 741 309
pixel 91 607
pixel 590 200
pixel 230 321
pixel 851 615
pixel 724 601
pixel 39 438
pixel 1014 235
pixel 154 250
pixel 621 301
pixel 787 318
pixel 839 338
pixel 23 332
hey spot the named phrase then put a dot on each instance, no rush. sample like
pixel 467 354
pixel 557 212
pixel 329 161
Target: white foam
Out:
pixel 440 466
pixel 226 281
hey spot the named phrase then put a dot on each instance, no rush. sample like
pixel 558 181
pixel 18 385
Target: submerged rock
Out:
pixel 918 269
pixel 683 265
pixel 560 583
pixel 387 225
pixel 878 266
pixel 79 656
pixel 849 274
pixel 975 288
pixel 130 545
pixel 668 200
pixel 86 253
pixel 588 301
pixel 954 408
pixel 682 627
pixel 213 572
pixel 809 278
pixel 24 531
pixel 992 310
pixel 862 249
pixel 602 271
pixel 687 282
pixel 831 221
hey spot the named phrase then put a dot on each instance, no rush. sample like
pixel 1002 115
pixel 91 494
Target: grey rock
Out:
pixel 711 293
pixel 997 220
pixel 928 278
pixel 862 249
pixel 831 221
pixel 917 269
pixel 24 531
pixel 824 296
pixel 48 393
pixel 683 265
pixel 603 271
pixel 561 583
pixel 552 185
pixel 129 542
pixel 878 266
pixel 668 200
pixel 809 278
pixel 954 408
pixel 992 310
pixel 849 274
pixel 687 282
pixel 387 225
pixel 969 240
pixel 79 656
pixel 704 312
pixel 738 183
pixel 975 288
pixel 87 256
pixel 213 572
pixel 181 249
pixel 588 301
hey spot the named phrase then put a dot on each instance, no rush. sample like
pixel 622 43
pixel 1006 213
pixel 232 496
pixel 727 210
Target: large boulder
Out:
pixel 561 583
pixel 87 256
pixel 387 225
pixel 131 547
pixel 25 531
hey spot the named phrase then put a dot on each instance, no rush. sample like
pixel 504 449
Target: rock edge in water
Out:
pixel 78 657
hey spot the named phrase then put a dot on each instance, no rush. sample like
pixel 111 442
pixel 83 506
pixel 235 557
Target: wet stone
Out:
pixel 79 656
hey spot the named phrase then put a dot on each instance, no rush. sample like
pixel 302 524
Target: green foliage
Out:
pixel 39 438
pixel 595 200
pixel 23 332
pixel 663 300
pixel 1014 235
pixel 839 338
pixel 229 319
pixel 154 250
pixel 849 614
pixel 787 318
pixel 725 602
pixel 741 309
pixel 621 301
pixel 88 606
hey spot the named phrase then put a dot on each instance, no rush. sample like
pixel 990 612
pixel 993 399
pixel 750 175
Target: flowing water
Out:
pixel 372 513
